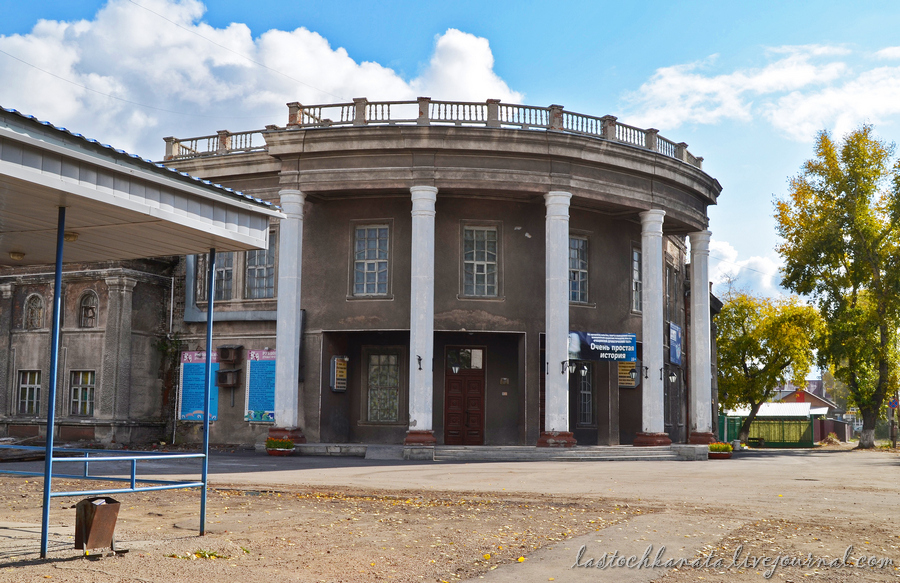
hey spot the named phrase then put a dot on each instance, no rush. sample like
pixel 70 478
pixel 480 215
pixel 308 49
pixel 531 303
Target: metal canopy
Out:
pixel 57 187
pixel 120 206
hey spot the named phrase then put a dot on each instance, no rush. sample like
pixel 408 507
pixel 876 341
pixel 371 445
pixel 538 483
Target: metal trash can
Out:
pixel 95 523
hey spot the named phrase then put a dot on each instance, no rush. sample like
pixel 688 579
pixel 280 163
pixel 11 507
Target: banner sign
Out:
pixel 590 346
pixel 259 401
pixel 674 344
pixel 192 379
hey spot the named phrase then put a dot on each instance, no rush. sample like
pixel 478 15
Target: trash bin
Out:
pixel 95 523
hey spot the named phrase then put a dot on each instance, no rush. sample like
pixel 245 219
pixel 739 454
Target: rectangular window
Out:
pixel 370 260
pixel 585 398
pixel 578 269
pixel 224 276
pixel 636 282
pixel 82 386
pixel 29 392
pixel 261 271
pixel 383 387
pixel 480 249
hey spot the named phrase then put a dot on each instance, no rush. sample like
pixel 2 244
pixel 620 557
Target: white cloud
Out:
pixel 803 89
pixel 756 274
pixel 194 86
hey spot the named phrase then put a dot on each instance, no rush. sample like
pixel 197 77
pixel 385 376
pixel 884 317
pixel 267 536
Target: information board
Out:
pixel 192 378
pixel 625 380
pixel 674 344
pixel 259 404
pixel 591 346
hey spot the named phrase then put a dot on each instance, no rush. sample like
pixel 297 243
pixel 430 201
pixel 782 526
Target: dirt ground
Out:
pixel 313 534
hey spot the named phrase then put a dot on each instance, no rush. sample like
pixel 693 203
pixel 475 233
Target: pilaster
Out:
pixel 115 394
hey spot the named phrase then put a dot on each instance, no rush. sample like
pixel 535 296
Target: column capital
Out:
pixel 652 220
pixel 120 283
pixel 423 199
pixel 557 202
pixel 700 242
pixel 291 201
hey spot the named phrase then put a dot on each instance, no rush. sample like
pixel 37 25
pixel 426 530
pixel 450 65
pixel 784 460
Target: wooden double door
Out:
pixel 464 397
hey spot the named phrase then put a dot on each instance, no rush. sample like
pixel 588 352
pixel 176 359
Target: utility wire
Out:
pixel 257 63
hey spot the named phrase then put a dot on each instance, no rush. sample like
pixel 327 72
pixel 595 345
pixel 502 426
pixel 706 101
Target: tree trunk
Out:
pixel 867 435
pixel 744 432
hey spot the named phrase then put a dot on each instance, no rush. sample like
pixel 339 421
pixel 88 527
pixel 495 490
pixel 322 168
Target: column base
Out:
pixel 418 437
pixel 293 433
pixel 651 439
pixel 701 437
pixel 556 439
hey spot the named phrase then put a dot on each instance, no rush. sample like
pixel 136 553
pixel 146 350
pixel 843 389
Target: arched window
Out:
pixel 87 310
pixel 34 313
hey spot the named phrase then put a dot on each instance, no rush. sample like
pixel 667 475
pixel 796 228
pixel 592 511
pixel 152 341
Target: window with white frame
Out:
pixel 260 274
pixel 87 310
pixel 578 269
pixel 29 402
pixel 480 260
pixel 82 390
pixel 383 380
pixel 371 260
pixel 34 312
pixel 637 285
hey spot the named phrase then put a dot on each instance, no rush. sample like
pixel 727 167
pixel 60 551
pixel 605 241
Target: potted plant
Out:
pixel 276 446
pixel 719 451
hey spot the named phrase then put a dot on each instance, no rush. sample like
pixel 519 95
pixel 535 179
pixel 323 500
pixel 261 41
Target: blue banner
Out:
pixel 674 344
pixel 591 346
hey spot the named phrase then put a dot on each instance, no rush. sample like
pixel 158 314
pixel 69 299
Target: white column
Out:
pixel 653 395
pixel 556 306
pixel 701 371
pixel 287 332
pixel 421 317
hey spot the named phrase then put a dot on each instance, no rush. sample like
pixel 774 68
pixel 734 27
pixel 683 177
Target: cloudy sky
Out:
pixel 747 85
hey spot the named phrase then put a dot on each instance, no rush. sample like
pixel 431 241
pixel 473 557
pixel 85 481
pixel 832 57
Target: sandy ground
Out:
pixel 330 521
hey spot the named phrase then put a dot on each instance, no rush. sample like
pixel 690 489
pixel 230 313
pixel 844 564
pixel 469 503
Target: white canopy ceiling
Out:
pixel 118 206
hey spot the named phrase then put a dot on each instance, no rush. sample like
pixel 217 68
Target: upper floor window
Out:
pixel 637 285
pixel 34 312
pixel 261 271
pixel 29 392
pixel 87 310
pixel 224 275
pixel 371 260
pixel 480 253
pixel 578 269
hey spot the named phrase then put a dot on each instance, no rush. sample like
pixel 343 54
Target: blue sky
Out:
pixel 746 85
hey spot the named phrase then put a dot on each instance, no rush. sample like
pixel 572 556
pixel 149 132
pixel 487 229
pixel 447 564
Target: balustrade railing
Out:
pixel 425 111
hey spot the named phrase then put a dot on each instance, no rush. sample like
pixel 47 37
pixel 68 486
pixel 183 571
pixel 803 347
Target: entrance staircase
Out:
pixel 514 453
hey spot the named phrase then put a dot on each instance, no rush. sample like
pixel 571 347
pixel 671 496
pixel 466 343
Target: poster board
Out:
pixel 259 396
pixel 191 387
pixel 593 346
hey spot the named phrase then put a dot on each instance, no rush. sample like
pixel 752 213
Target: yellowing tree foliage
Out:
pixel 841 226
pixel 762 343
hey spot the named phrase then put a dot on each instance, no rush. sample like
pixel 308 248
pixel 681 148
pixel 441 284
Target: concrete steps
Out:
pixel 528 453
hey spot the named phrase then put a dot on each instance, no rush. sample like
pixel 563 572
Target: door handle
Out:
pixel 467 419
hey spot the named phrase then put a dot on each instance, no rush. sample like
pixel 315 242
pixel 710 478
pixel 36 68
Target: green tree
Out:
pixel 762 343
pixel 840 225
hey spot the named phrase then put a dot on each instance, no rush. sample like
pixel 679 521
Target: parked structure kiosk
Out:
pixel 61 192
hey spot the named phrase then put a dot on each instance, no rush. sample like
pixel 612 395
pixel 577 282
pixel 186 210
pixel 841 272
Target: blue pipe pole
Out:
pixel 51 396
pixel 207 388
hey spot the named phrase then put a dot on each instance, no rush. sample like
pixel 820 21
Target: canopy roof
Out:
pixel 118 205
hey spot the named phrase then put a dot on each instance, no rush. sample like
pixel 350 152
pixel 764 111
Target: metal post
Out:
pixel 51 397
pixel 207 388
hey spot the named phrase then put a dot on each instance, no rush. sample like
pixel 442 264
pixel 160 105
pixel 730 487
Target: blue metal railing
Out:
pixel 109 456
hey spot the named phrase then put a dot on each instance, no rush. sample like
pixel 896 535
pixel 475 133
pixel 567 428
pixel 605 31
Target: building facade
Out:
pixel 443 252
pixel 432 262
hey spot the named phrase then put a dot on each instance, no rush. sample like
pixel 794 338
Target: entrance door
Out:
pixel 464 396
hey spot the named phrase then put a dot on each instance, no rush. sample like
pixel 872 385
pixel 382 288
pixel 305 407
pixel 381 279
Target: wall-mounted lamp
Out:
pixel 633 373
pixel 567 366
pixel 16 255
pixel 584 370
pixel 455 368
pixel 70 236
pixel 672 376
